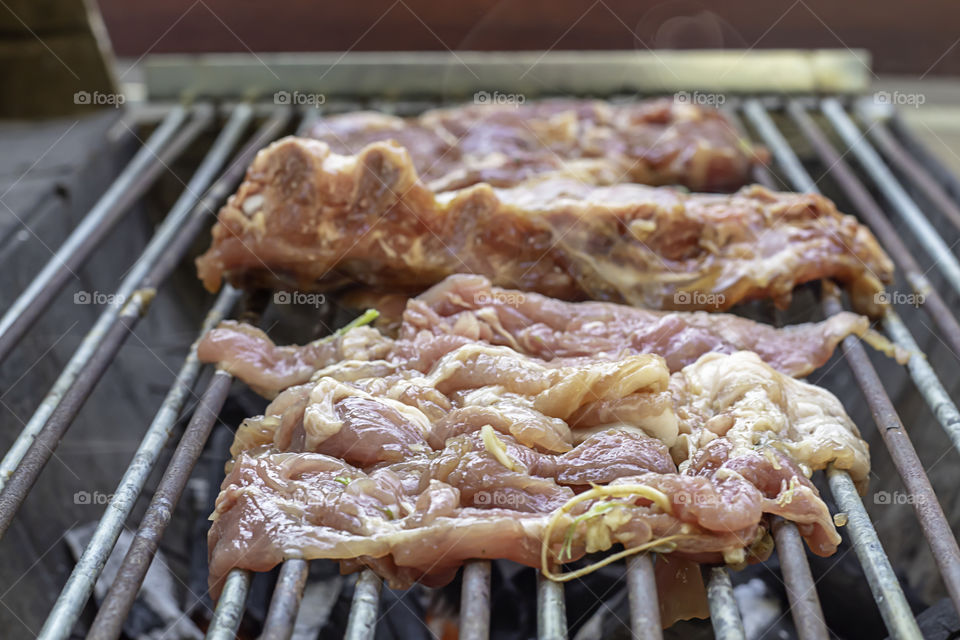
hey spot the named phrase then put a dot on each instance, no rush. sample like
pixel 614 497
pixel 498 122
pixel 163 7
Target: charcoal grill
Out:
pixel 859 152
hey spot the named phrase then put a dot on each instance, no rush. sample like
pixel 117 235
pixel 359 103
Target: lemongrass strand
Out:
pixel 617 491
pixel 565 577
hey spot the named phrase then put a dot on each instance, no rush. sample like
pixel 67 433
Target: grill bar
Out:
pixel 642 591
pixel 475 601
pixel 916 173
pixel 801 590
pixel 805 608
pixel 366 606
pixel 868 207
pixel 163 146
pixel 932 519
pixel 551 610
pixel 880 575
pixel 80 584
pixel 229 611
pixel 724 614
pixel 876 565
pixel 285 602
pixel 149 271
pixel 123 591
pixel 885 180
pixel 88 364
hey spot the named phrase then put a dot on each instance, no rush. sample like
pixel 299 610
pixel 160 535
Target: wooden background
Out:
pixel 916 38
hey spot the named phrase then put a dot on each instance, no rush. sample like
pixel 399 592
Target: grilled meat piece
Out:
pixel 310 219
pixel 344 468
pixel 651 142
pixel 463 309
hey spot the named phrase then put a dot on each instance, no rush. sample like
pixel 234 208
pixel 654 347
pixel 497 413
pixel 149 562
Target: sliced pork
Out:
pixel 404 473
pixel 308 218
pixel 465 309
pixel 650 142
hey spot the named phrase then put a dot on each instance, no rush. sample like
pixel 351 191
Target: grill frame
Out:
pixel 58 409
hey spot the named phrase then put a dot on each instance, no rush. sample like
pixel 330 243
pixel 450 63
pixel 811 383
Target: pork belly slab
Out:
pixel 308 218
pixel 650 142
pixel 491 453
pixel 463 309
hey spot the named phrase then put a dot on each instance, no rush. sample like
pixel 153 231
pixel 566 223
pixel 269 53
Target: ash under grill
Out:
pixel 837 145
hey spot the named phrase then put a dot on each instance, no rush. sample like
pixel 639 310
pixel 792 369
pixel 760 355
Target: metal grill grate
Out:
pixel 816 120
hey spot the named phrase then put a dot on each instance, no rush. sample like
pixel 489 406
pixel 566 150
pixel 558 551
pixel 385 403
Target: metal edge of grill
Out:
pixel 201 198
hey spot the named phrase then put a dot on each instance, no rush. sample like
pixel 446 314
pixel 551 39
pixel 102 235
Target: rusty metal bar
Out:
pixel 285 602
pixel 871 211
pixel 475 601
pixel 77 591
pixel 162 148
pixel 229 611
pixel 922 374
pixel 934 523
pixel 149 270
pixel 551 610
pixel 365 607
pixel 883 581
pixel 801 590
pixel 61 405
pixel 642 592
pixel 115 607
pixel 932 520
pixel 724 613
pixel 900 158
pixel 888 184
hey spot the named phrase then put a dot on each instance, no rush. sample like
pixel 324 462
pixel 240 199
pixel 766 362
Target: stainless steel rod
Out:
pixel 76 592
pixel 868 208
pixel 162 147
pixel 876 565
pixel 285 603
pixel 152 254
pixel 888 184
pixel 551 610
pixel 724 613
pixel 913 170
pixel 921 372
pixel 642 591
pixel 475 601
pixel 365 607
pixel 229 611
pixel 123 591
pixel 801 590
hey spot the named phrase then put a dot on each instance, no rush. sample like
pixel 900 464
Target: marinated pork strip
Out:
pixel 651 142
pixel 327 477
pixel 464 309
pixel 307 218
